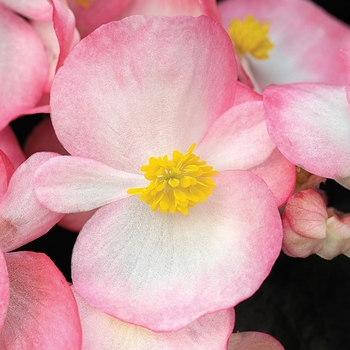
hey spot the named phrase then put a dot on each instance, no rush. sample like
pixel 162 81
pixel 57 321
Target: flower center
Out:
pixel 176 184
pixel 250 36
pixel 84 3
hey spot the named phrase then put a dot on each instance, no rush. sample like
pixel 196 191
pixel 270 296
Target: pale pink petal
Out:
pixel 4 289
pixel 103 332
pixel 75 221
pixel 23 66
pixel 279 175
pixel 22 217
pixel 6 171
pixel 72 184
pixel 42 313
pixel 253 341
pixel 48 37
pixel 38 10
pixel 245 93
pixel 238 139
pixel 9 144
pixel 308 53
pixel 64 25
pixel 97 13
pixel 310 124
pixel 165 271
pixel 147 104
pixel 43 139
pixel 304 224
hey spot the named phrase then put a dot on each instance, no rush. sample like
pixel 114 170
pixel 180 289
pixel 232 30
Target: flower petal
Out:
pixel 238 139
pixel 42 313
pixel 89 184
pixel 279 175
pixel 146 105
pixel 39 10
pixel 22 217
pixel 4 289
pixel 9 144
pixel 310 124
pixel 23 66
pixel 6 171
pixel 103 332
pixel 163 272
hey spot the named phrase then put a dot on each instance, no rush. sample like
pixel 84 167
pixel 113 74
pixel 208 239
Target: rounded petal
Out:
pixel 103 332
pixel 22 217
pixel 4 289
pixel 42 313
pixel 310 124
pixel 308 53
pixel 238 139
pixel 72 184
pixel 146 105
pixel 163 272
pixel 279 175
pixel 23 66
pixel 253 341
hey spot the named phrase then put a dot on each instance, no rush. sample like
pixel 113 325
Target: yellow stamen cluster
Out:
pixel 84 3
pixel 250 36
pixel 176 184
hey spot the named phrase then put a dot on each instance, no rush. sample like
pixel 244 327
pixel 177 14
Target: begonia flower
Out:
pixel 159 268
pixel 311 228
pixel 103 332
pixel 289 41
pixel 91 14
pixel 37 308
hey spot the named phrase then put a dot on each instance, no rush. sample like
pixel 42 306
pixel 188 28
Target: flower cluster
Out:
pixel 186 144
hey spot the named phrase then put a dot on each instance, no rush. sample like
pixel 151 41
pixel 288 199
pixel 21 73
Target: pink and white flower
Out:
pixel 161 271
pixel 306 41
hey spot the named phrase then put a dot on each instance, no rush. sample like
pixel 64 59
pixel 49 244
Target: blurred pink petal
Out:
pixel 103 332
pixel 42 313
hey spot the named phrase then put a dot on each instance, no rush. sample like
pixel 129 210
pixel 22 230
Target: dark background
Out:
pixel 304 303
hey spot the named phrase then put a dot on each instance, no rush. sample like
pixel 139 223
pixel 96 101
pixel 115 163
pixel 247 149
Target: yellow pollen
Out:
pixel 250 36
pixel 176 184
pixel 84 3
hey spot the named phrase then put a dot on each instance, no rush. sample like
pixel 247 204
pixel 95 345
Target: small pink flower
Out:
pixel 306 41
pixel 140 88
